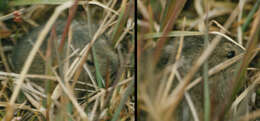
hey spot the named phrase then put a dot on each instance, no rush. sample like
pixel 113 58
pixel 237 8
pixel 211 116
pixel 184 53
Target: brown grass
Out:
pixel 114 102
pixel 157 100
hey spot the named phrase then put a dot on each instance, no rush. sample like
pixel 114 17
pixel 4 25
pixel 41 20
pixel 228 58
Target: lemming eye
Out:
pixel 231 54
pixel 90 63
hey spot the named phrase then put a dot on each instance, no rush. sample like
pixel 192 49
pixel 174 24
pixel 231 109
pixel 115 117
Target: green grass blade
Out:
pixel 123 17
pixel 123 100
pixel 172 34
pixel 206 84
pixel 250 16
pixel 98 74
pixel 33 2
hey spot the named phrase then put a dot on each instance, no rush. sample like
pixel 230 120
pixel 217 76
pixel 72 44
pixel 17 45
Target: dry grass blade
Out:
pixel 228 38
pixel 73 93
pixel 244 64
pixel 178 93
pixel 251 116
pixel 29 2
pixel 72 98
pixel 190 102
pixel 160 96
pixel 35 76
pixel 88 47
pixel 216 69
pixel 3 57
pixel 172 34
pixel 245 93
pixel 33 53
pixel 167 24
pixel 70 18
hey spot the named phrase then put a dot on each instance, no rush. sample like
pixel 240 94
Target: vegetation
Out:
pixel 108 97
pixel 159 97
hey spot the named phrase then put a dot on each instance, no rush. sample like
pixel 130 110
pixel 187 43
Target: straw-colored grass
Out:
pixel 56 100
pixel 162 91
